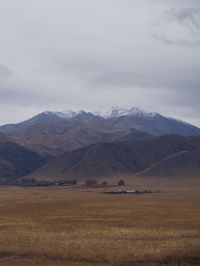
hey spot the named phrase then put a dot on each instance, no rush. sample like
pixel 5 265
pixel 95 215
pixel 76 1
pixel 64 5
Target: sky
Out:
pixel 95 54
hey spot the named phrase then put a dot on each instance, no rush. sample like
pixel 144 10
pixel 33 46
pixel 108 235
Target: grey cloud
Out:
pixel 189 16
pixel 193 42
pixel 15 95
pixel 180 25
pixel 170 77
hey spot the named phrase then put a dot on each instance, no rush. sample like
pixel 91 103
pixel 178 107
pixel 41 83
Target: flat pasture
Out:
pixel 79 226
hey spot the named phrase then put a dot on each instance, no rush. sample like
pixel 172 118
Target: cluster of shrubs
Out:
pixel 35 183
pixel 121 183
pixel 43 183
pixel 94 182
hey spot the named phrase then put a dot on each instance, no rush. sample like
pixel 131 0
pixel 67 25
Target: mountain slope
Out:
pixel 181 164
pixel 55 139
pixel 17 161
pixel 155 125
pixel 43 118
pixel 4 137
pixel 108 159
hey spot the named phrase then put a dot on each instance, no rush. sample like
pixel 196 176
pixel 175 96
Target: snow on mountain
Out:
pixel 67 114
pixel 127 119
pixel 135 111
pixel 114 112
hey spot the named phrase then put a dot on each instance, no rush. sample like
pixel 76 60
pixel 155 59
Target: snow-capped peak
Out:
pixel 66 114
pixel 135 111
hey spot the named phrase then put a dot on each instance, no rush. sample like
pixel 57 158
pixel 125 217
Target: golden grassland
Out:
pixel 76 226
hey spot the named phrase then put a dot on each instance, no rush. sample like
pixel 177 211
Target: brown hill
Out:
pixel 108 159
pixel 44 151
pixel 52 140
pixel 181 164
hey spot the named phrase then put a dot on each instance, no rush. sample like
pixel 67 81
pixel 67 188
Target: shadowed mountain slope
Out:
pixel 17 161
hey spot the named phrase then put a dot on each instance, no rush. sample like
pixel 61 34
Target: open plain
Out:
pixel 80 226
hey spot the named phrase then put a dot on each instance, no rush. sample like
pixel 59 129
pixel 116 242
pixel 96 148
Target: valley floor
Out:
pixel 74 226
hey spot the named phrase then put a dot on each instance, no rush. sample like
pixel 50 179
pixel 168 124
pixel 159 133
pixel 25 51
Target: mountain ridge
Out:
pixel 113 114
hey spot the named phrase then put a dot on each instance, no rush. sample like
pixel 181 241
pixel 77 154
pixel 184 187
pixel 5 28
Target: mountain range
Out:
pixel 99 144
pixel 119 118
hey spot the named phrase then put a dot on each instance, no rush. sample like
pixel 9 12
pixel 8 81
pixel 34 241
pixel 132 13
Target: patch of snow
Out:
pixel 135 111
pixel 67 114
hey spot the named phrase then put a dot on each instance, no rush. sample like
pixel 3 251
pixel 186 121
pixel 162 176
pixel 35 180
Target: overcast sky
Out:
pixel 95 54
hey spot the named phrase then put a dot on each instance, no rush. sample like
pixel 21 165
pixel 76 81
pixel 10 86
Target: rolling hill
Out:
pixel 104 160
pixel 181 164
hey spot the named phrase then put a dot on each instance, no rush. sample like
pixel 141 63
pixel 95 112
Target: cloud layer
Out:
pixel 91 54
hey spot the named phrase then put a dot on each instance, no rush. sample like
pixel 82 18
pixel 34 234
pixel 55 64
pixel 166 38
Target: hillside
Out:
pixel 17 161
pixel 55 139
pixel 110 159
pixel 181 164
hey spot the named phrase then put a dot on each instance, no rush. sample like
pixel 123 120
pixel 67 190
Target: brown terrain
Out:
pixel 185 163
pixel 158 155
pixel 55 139
pixel 81 226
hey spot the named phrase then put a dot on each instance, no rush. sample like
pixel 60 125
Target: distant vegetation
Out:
pixel 35 183
pixel 121 182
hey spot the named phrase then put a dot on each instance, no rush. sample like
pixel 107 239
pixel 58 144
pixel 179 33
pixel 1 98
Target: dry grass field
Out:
pixel 63 226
